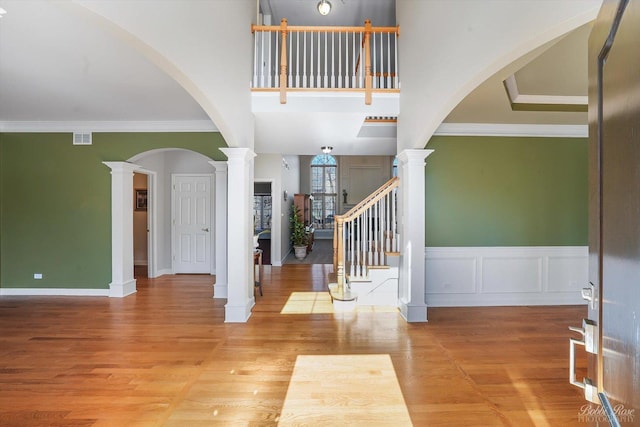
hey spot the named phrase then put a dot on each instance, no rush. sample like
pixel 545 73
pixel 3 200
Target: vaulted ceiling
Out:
pixel 56 67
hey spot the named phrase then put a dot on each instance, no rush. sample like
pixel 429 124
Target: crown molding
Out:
pixel 500 129
pixel 108 126
pixel 524 102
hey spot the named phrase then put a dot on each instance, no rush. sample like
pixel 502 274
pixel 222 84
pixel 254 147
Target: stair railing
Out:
pixel 289 58
pixel 367 232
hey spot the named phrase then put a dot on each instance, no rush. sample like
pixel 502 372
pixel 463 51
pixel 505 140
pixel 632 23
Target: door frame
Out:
pixel 212 245
pixel 152 250
pixel 276 220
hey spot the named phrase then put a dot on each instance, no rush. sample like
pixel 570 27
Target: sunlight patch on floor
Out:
pixel 320 303
pixel 344 390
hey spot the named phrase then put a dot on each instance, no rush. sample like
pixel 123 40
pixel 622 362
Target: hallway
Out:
pixel 164 357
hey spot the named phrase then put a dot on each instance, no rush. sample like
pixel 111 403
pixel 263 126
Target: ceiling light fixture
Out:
pixel 326 149
pixel 2 11
pixel 324 7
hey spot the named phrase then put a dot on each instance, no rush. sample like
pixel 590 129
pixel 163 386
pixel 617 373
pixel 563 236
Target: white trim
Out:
pixel 109 126
pixel 517 98
pixel 122 289
pixel 502 129
pixel 522 275
pixel 163 272
pixel 238 313
pixel 54 292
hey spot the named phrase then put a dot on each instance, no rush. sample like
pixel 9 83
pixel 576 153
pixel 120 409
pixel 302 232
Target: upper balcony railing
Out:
pixel 290 58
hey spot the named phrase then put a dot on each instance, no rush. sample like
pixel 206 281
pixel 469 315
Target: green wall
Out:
pixel 506 191
pixel 55 203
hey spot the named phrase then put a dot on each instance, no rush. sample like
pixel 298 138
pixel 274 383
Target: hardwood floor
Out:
pixel 164 357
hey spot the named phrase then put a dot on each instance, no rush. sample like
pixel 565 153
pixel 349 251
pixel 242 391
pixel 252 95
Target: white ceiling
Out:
pixel 55 67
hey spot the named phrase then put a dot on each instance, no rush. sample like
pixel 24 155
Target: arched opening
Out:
pixel 162 166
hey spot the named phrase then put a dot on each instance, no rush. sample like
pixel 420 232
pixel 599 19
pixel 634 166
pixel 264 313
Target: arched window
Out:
pixel 324 170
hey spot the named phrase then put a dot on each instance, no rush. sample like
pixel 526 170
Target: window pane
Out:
pixel 316 179
pixel 330 179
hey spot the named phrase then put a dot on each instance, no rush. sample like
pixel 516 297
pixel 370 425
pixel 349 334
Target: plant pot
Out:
pixel 300 252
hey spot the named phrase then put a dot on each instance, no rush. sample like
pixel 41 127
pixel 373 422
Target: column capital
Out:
pixel 219 166
pixel 121 166
pixel 412 155
pixel 238 154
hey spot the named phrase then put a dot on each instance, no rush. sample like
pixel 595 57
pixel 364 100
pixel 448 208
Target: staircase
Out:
pixel 366 252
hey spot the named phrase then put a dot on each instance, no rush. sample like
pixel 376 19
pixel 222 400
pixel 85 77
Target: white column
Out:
pixel 220 287
pixel 122 281
pixel 240 299
pixel 411 221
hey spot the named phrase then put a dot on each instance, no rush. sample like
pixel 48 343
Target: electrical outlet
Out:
pixel 37 275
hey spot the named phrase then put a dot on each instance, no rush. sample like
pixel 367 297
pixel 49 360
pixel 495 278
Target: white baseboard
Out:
pixel 523 275
pixel 54 292
pixel 163 272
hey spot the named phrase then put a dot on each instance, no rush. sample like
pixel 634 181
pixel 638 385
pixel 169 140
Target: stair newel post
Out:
pixel 283 62
pixel 339 253
pixel 367 63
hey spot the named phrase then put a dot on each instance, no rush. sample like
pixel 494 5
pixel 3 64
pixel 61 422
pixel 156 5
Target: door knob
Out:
pixel 206 229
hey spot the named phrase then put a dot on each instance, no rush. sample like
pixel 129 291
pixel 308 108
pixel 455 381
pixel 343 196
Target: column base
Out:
pixel 413 313
pixel 238 313
pixel 120 290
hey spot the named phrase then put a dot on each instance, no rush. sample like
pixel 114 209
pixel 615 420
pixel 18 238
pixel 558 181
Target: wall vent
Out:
pixel 82 138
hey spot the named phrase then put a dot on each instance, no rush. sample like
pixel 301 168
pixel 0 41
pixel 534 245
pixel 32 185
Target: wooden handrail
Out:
pixel 370 200
pixel 327 29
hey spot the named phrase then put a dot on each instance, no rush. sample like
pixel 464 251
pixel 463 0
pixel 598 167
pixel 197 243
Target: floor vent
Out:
pixel 82 138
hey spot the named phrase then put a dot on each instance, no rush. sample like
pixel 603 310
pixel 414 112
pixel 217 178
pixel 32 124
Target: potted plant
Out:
pixel 299 237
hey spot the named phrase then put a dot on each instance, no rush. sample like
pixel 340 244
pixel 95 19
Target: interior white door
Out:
pixel 192 223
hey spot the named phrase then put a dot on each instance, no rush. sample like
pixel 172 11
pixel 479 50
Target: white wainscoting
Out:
pixel 523 275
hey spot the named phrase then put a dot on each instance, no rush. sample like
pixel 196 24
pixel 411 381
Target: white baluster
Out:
pixel 333 57
pixel 381 232
pixel 389 60
pixel 255 59
pixel 387 233
pixel 326 76
pixel 298 59
pixel 362 55
pixel 381 60
pixel 355 58
pixel 370 236
pixel 339 60
pixel 261 59
pixel 374 64
pixel 396 76
pixel 304 59
pixel 276 61
pixel 352 247
pixel 318 76
pixel 394 202
pixel 358 226
pixel 290 71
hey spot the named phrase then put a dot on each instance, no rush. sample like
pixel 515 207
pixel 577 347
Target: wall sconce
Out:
pixel 326 149
pixel 324 7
